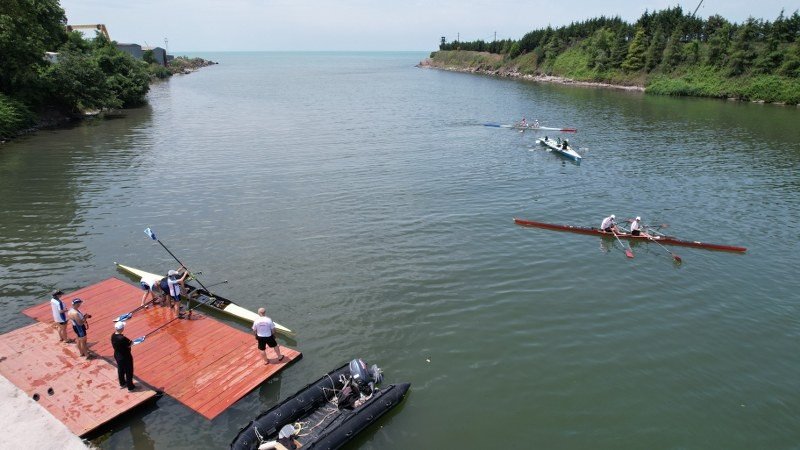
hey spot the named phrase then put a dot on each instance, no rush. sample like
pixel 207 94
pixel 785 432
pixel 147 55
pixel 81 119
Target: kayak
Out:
pixel 669 240
pixel 518 126
pixel 213 301
pixel 325 414
pixel 557 147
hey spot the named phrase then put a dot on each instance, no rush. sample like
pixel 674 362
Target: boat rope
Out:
pixel 258 435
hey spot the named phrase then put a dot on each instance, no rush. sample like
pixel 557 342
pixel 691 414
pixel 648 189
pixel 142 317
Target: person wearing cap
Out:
pixel 122 354
pixel 175 284
pixel 264 331
pixel 79 325
pixel 60 315
pixel 609 225
pixel 636 228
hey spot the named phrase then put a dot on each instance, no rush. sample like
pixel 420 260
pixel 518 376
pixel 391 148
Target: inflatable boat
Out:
pixel 325 414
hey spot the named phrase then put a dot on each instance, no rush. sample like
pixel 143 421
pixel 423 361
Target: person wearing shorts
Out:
pixel 264 331
pixel 79 325
pixel 152 288
pixel 175 284
pixel 59 315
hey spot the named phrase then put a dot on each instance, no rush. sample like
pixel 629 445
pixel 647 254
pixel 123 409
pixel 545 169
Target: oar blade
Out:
pixel 677 258
pixel 628 253
pixel 138 340
pixel 123 317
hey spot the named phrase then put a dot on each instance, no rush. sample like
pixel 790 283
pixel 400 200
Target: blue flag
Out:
pixel 150 233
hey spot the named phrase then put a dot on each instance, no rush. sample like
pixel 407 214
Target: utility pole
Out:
pixel 166 46
pixel 495 36
pixel 458 37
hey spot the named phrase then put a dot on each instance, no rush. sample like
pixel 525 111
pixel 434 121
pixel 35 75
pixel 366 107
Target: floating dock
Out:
pixel 203 363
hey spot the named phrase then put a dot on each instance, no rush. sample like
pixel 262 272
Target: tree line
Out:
pixel 88 75
pixel 662 42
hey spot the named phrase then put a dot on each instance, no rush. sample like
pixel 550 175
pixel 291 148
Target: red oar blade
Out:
pixel 628 253
pixel 676 258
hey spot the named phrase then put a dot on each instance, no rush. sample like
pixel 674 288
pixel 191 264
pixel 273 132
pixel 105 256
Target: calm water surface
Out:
pixel 362 201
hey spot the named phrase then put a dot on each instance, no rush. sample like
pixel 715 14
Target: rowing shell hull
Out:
pixel 660 239
pixel 220 303
pixel 531 127
pixel 569 153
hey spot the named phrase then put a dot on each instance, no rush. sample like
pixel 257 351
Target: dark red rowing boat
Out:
pixel 669 240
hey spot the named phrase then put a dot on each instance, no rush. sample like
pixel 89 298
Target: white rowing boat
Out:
pixel 561 147
pixel 216 302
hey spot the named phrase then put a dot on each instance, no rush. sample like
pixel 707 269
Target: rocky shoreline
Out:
pixel 428 63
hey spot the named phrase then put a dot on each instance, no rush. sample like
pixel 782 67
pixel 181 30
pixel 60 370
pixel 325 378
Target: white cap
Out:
pixel 172 272
pixel 119 326
pixel 638 218
pixel 613 216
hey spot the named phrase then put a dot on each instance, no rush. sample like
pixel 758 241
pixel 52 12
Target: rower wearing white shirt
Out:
pixel 636 228
pixel 609 225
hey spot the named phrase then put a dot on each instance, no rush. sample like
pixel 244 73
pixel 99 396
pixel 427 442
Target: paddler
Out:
pixel 636 228
pixel 609 225
pixel 523 123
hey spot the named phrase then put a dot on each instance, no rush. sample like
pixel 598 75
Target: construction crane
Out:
pixel 98 27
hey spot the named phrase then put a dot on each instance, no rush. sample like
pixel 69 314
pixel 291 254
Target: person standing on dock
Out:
pixel 264 331
pixel 123 356
pixel 79 325
pixel 60 315
pixel 175 289
pixel 152 288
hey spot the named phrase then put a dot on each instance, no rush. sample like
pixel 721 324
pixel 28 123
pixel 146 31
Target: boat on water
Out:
pixel 528 126
pixel 213 301
pixel 561 147
pixel 668 240
pixel 326 414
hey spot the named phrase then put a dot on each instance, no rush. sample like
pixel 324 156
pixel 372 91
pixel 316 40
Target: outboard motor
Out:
pixel 364 377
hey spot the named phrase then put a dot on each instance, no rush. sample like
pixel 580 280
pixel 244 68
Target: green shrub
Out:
pixel 14 116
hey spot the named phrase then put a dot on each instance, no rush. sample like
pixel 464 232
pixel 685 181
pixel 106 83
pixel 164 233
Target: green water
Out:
pixel 361 200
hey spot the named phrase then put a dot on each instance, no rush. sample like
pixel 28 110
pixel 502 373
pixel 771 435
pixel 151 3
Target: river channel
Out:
pixel 362 201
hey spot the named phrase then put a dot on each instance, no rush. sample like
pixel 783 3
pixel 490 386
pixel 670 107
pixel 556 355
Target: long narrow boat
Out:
pixel 562 149
pixel 213 301
pixel 531 127
pixel 325 414
pixel 669 240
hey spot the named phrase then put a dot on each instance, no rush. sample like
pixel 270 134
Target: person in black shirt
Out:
pixel 123 356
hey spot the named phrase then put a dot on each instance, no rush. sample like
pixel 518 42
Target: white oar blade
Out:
pixel 123 317
pixel 138 340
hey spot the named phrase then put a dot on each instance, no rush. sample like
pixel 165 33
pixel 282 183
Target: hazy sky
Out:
pixel 196 25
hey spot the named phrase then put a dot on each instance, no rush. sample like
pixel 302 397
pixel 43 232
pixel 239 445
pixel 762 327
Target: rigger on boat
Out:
pixel 325 414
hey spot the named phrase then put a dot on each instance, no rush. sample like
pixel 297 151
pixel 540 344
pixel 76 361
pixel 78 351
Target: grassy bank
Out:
pixel 574 64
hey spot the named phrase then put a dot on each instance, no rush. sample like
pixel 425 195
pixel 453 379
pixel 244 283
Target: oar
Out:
pixel 141 339
pixel 628 251
pixel 128 315
pixel 674 256
pixel 152 236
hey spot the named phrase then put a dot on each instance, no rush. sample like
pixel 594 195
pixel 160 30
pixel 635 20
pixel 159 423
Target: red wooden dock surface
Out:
pixel 85 393
pixel 203 363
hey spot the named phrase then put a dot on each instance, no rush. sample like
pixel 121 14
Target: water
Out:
pixel 360 200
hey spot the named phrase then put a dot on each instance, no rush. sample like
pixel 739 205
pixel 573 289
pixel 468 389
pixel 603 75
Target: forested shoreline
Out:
pixel 84 75
pixel 666 52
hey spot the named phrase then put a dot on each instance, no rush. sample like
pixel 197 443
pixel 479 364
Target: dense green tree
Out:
pixel 78 83
pixel 742 52
pixel 636 52
pixel 619 51
pixel 718 44
pixel 514 51
pixel 691 52
pixel 655 50
pixel 28 28
pixel 673 52
pixel 127 78
pixel 791 63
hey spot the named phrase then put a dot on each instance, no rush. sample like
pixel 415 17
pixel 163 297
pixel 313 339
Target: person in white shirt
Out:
pixel 60 315
pixel 609 225
pixel 264 331
pixel 175 290
pixel 152 288
pixel 636 228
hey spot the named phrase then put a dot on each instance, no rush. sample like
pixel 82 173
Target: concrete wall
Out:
pixel 159 54
pixel 134 50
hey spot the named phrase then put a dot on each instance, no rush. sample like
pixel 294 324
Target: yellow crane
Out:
pixel 98 26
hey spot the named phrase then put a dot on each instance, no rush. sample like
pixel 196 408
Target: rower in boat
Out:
pixel 535 123
pixel 637 229
pixel 523 123
pixel 609 225
pixel 564 144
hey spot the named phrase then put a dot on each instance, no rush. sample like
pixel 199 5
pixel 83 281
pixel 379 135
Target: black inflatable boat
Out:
pixel 325 414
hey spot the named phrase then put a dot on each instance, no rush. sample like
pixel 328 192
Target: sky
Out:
pixel 364 25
